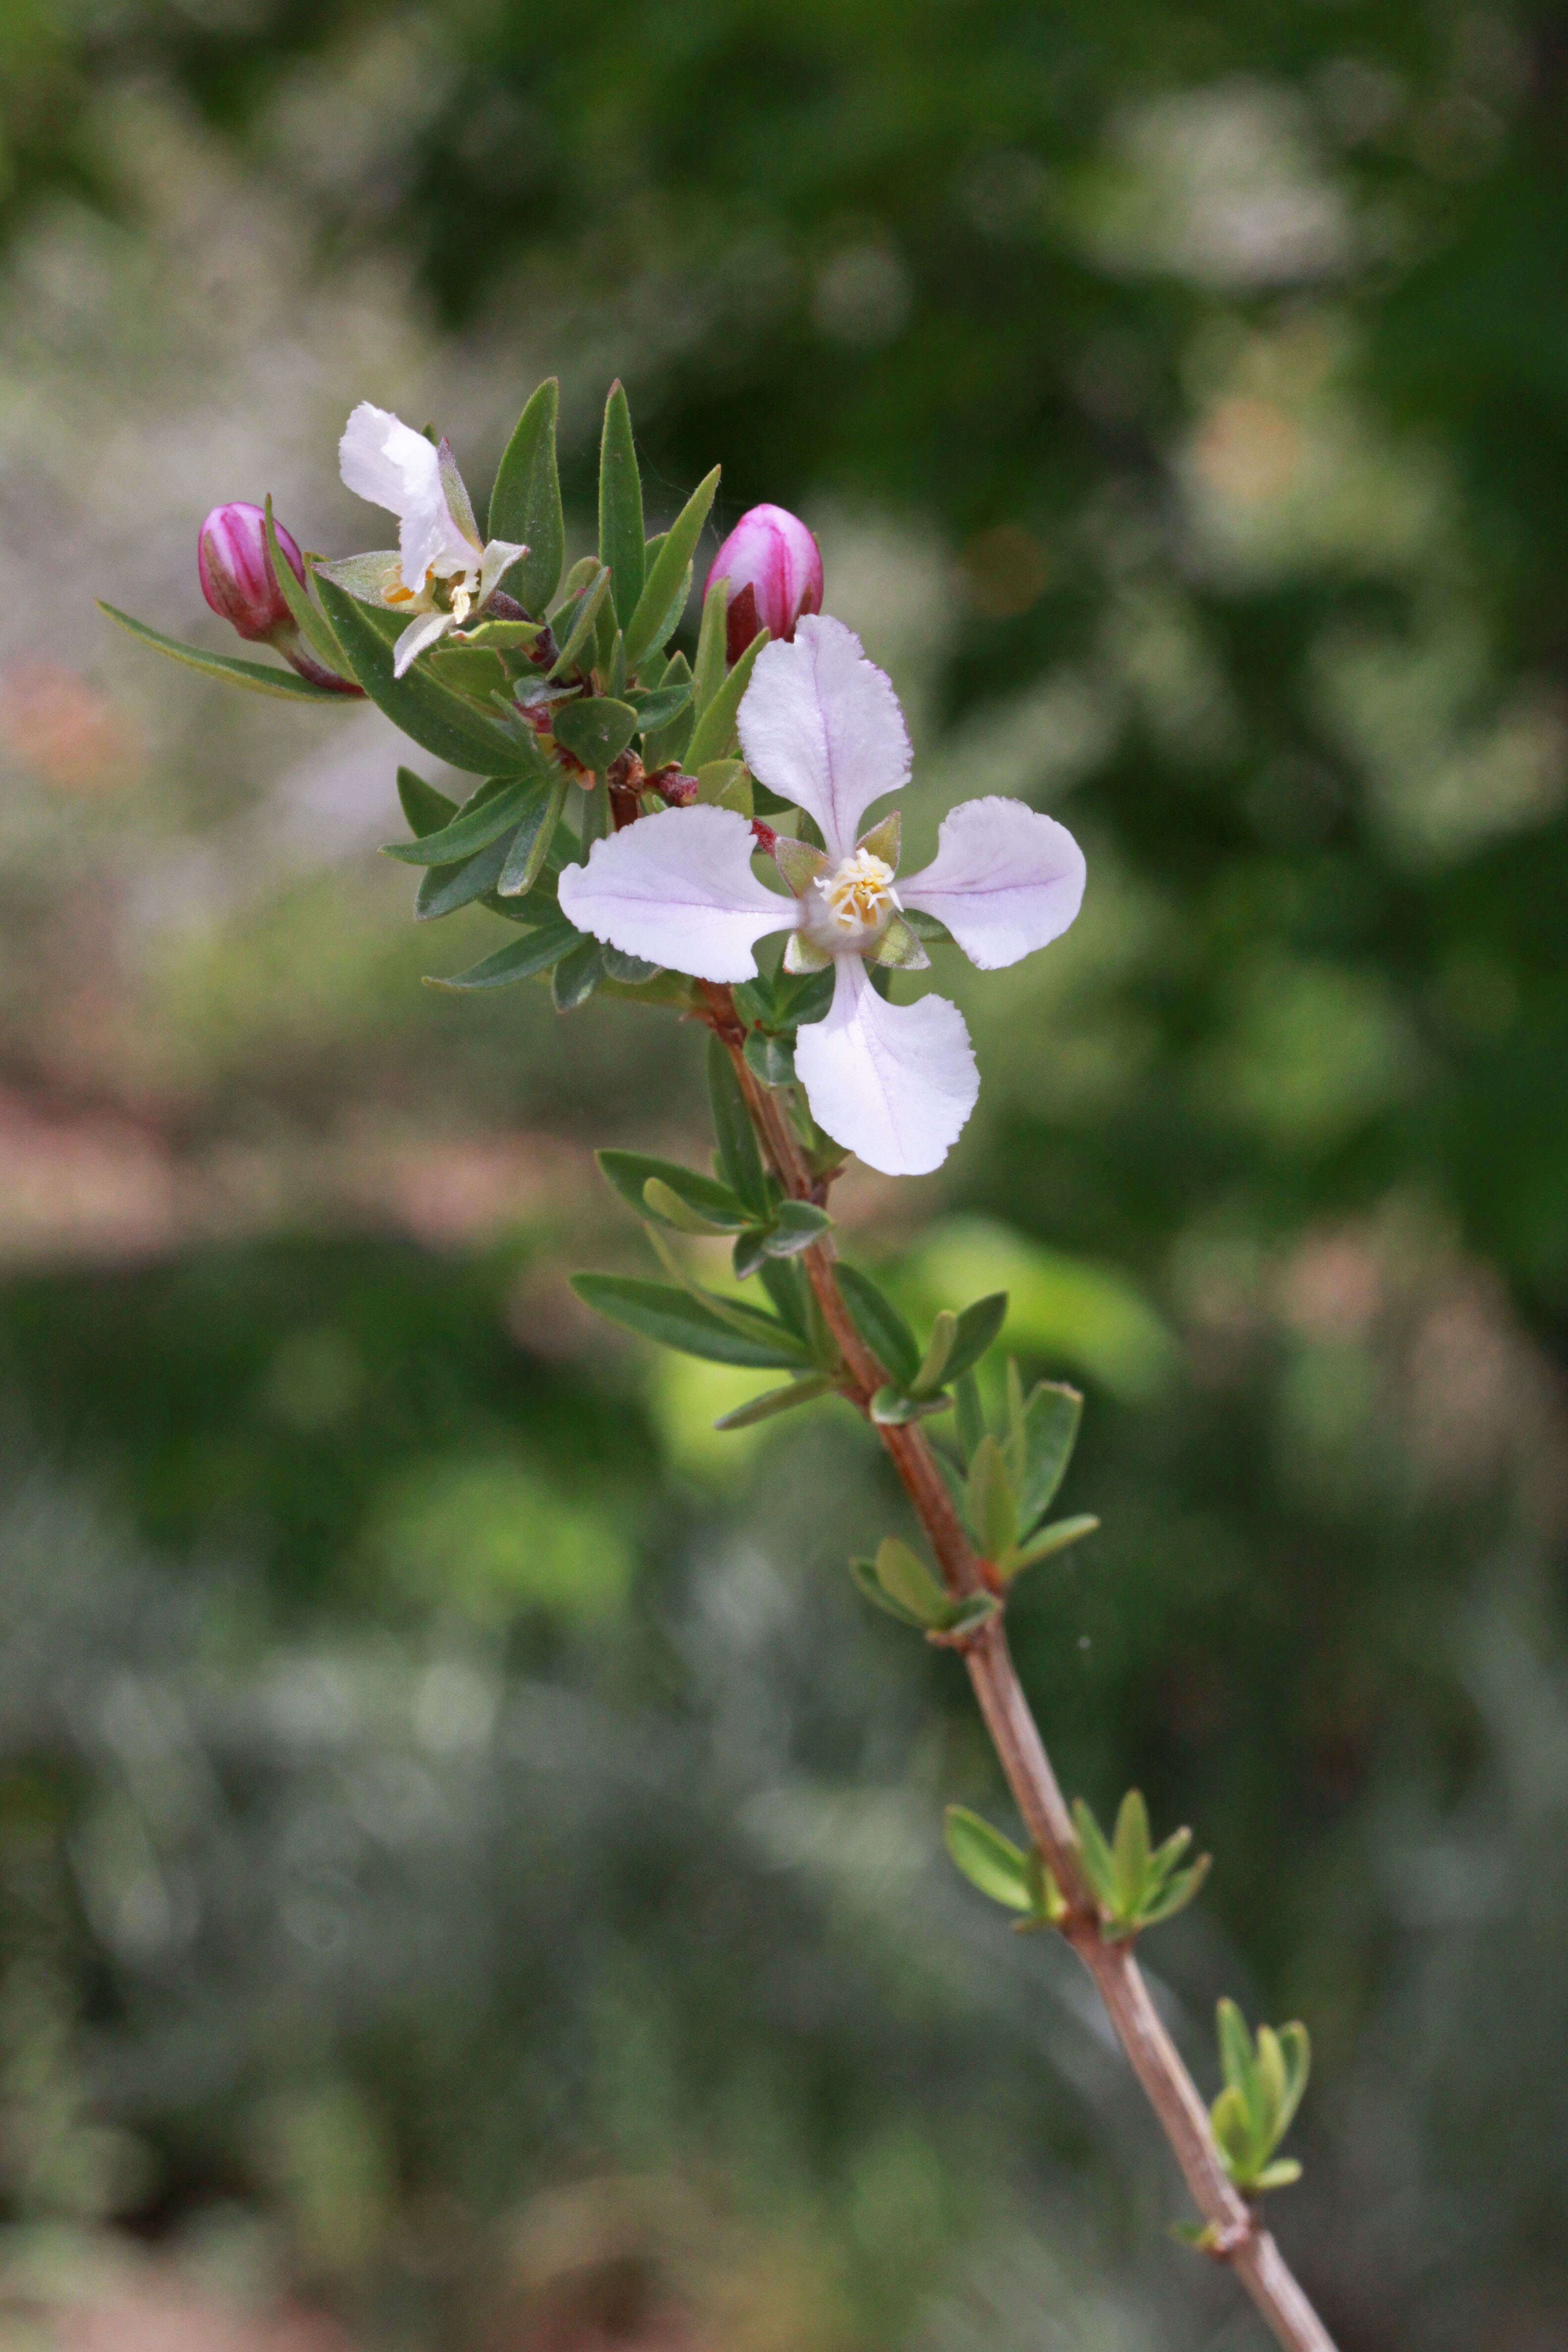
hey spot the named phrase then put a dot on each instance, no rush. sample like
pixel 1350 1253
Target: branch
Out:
pixel 1238 2236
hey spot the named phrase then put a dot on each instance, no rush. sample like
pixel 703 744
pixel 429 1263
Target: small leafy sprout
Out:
pixel 1013 1479
pixel 1018 1881
pixel 1135 1885
pixel 899 1581
pixel 1263 2087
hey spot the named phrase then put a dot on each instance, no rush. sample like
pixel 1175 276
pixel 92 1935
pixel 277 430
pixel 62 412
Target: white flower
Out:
pixel 821 726
pixel 440 574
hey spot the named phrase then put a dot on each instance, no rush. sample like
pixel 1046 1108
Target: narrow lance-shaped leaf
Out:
pixel 427 809
pixel 620 507
pixel 445 723
pixel 525 505
pixel 256 678
pixel 482 821
pixel 520 959
pixel 631 1172
pixel 707 672
pixel 1051 1419
pixel 739 1158
pixel 978 1326
pixel 773 1402
pixel 988 1860
pixel 661 1312
pixel 993 1516
pixel 880 1325
pixel 581 627
pixel 530 842
pixel 714 733
pixel 668 569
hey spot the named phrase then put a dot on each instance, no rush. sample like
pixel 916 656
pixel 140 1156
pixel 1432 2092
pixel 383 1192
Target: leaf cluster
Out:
pixel 1006 1483
pixel 1017 1880
pixel 1264 2082
pixel 1135 1884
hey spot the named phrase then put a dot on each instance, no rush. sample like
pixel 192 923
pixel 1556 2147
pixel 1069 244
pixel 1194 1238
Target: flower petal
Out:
pixel 679 889
pixel 417 636
pixel 821 725
pixel 895 1083
pixel 384 460
pixel 1005 880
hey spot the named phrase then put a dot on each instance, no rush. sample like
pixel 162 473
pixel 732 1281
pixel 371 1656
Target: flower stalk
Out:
pixel 1232 2233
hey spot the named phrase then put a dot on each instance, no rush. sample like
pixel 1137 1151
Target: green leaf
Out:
pixel 577 976
pixel 795 1227
pixel 993 1515
pixel 595 730
pixel 477 671
pixel 864 1572
pixel 620 507
pixel 971 1414
pixel 594 820
pixel 662 1312
pixel 927 929
pixel 518 960
pixel 256 678
pixel 1054 1538
pixel 443 722
pixel 713 736
pixel 667 740
pixel 786 1284
pixel 1178 1894
pixel 769 1059
pixel 1234 2046
pixel 749 1252
pixel 631 1172
pixel 1051 1419
pixel 880 1325
pixel 582 627
pixel 444 888
pixel 525 504
pixel 427 809
pixel 668 569
pixel 739 1161
pixel 1233 2133
pixel 1281 2174
pixel 311 623
pixel 661 1200
pixel 891 1408
pixel 1297 2048
pixel 987 1859
pixel 530 842
pixel 1097 1866
pixel 1130 1852
pixel 481 821
pixel 805 1391
pixel 977 1328
pixel 708 674
pixel 905 1578
pixel 939 1347
pixel 656 710
pixel 629 970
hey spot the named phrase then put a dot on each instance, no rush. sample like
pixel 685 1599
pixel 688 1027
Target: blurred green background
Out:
pixel 469 1867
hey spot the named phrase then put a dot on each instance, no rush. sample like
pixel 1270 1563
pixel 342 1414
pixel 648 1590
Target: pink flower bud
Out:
pixel 237 571
pixel 774 566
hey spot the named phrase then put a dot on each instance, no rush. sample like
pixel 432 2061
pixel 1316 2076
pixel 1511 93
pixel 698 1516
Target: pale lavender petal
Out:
pixel 679 889
pixel 1005 880
pixel 821 726
pixel 384 460
pixel 417 636
pixel 894 1083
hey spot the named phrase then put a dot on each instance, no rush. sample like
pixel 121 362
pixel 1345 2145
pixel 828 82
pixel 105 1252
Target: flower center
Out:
pixel 860 896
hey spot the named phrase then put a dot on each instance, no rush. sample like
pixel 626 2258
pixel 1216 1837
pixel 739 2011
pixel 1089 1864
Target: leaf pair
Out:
pixel 1264 2082
pixel 1013 1479
pixel 1018 1881
pixel 1135 1885
pixel 918 1377
pixel 899 1582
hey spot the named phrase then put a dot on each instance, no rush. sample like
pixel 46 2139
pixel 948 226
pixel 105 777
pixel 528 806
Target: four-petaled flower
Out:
pixel 821 726
pixel 441 575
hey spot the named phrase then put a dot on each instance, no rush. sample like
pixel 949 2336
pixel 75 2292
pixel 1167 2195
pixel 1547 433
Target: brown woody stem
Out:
pixel 1236 2236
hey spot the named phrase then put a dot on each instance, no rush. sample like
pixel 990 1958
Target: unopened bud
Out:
pixel 236 573
pixel 774 566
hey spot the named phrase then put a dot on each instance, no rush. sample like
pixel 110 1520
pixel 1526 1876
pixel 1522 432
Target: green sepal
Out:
pixel 739 1161
pixel 714 733
pixel 773 1402
pixel 927 929
pixel 668 570
pixel 880 1325
pixel 256 678
pixel 525 504
pixel 620 507
pixel 631 1172
pixel 674 1319
pixel 595 730
pixel 308 619
pixel 483 819
pixel 442 722
pixel 520 959
pixel 577 976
